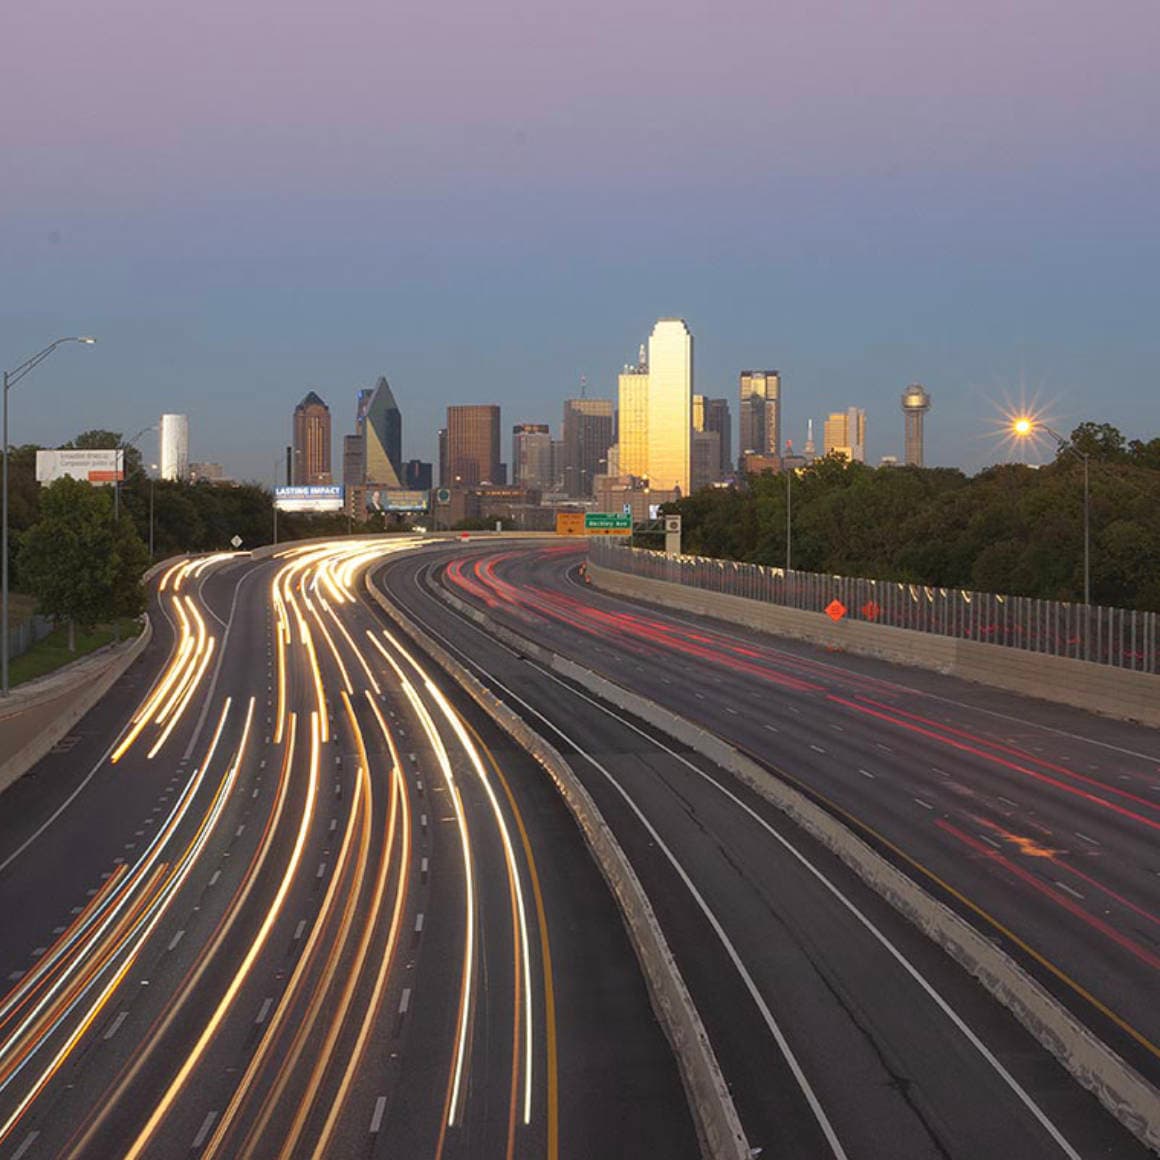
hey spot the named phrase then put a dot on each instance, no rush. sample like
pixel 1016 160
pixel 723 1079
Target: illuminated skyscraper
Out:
pixel 311 441
pixel 915 404
pixel 633 418
pixel 845 431
pixel 670 405
pixel 381 423
pixel 759 424
pixel 472 445
pixel 532 455
pixel 174 439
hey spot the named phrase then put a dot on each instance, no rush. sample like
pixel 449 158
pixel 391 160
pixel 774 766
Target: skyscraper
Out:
pixel 587 435
pixel 845 432
pixel 174 439
pixel 532 455
pixel 354 460
pixel 473 445
pixel 632 438
pixel 717 418
pixel 382 427
pixel 915 404
pixel 670 405
pixel 760 414
pixel 443 466
pixel 311 441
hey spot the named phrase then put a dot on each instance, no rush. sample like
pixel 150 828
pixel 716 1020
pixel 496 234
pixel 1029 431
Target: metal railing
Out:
pixel 1122 637
pixel 22 636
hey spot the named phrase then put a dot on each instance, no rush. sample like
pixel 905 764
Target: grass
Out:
pixel 48 655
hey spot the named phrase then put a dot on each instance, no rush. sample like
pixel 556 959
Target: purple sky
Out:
pixel 484 202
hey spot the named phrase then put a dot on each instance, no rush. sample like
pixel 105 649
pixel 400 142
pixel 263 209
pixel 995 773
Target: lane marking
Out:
pixel 176 939
pixel 115 1026
pixel 203 1131
pixel 377 1118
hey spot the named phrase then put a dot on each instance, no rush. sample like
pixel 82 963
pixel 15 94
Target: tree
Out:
pixel 100 440
pixel 1101 441
pixel 81 565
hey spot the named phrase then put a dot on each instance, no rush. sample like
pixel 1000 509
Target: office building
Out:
pixel 441 436
pixel 670 406
pixel 381 423
pixel 311 462
pixel 587 435
pixel 706 459
pixel 810 450
pixel 417 475
pixel 845 433
pixel 717 418
pixel 532 456
pixel 173 437
pixel 354 460
pixel 472 445
pixel 759 421
pixel 915 404
pixel 632 419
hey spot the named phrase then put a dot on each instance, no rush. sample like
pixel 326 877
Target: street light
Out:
pixel 1025 427
pixel 11 378
pixel 152 482
pixel 122 447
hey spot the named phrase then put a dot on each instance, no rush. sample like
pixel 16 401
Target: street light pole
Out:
pixel 11 378
pixel 788 518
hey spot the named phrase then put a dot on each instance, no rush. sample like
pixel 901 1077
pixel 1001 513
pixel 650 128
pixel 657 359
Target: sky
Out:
pixel 247 200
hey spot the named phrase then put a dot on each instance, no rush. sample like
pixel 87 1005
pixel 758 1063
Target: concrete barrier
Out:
pixel 718 1125
pixel 63 698
pixel 1119 1087
pixel 1106 689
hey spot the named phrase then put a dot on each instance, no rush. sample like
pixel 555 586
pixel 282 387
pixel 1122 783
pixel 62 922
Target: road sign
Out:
pixel 236 541
pixel 672 523
pixel 835 610
pixel 443 495
pixel 607 522
pixel 871 610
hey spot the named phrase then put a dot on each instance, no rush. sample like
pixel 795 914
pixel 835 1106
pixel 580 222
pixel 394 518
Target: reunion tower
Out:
pixel 915 404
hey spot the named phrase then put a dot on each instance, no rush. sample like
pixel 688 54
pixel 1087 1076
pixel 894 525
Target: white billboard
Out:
pixel 90 466
pixel 394 499
pixel 312 498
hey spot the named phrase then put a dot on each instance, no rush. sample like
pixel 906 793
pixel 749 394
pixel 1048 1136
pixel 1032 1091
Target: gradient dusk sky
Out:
pixel 247 200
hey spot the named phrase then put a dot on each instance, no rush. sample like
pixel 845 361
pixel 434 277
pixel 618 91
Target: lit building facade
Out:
pixel 532 456
pixel 632 422
pixel 759 420
pixel 915 404
pixel 173 437
pixel 381 423
pixel 311 463
pixel 670 406
pixel 845 432
pixel 472 445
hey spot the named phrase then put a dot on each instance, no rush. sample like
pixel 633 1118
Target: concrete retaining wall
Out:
pixel 42 712
pixel 1103 689
pixel 718 1125
pixel 1121 1089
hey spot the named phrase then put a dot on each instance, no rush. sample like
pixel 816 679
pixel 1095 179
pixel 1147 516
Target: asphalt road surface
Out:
pixel 284 893
pixel 841 1029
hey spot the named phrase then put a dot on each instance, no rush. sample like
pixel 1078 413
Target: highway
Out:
pixel 841 1030
pixel 285 892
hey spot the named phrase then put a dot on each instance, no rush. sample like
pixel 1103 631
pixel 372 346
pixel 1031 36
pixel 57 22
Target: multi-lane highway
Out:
pixel 841 1030
pixel 286 893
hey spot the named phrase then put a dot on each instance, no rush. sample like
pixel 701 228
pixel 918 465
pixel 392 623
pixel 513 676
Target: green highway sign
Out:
pixel 607 521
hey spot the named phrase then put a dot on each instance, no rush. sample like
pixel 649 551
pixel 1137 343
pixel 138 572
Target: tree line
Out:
pixel 1010 528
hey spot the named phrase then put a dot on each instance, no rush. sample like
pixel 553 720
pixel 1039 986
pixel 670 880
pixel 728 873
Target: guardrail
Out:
pixel 1123 638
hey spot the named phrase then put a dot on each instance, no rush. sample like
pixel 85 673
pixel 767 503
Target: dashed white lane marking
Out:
pixel 321 870
pixel 866 773
pixel 941 772
pixel 115 1026
pixel 299 929
pixel 884 748
pixel 1008 802
pixel 422 868
pixel 1085 838
pixel 730 709
pixel 377 1118
pixel 176 939
pixel 1064 886
pixel 29 1140
pixel 699 696
pixel 405 1001
pixel 240 830
pixel 990 841
pixel 333 824
pixel 264 1010
pixel 214 877
pixel 419 923
pixel 203 1131
pixel 925 805
pixel 817 749
pixel 771 728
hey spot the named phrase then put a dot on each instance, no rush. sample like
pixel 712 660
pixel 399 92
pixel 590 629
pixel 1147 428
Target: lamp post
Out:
pixel 788 507
pixel 1024 427
pixel 122 447
pixel 152 484
pixel 11 378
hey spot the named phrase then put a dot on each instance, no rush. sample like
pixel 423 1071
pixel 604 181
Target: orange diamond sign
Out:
pixel 871 610
pixel 835 610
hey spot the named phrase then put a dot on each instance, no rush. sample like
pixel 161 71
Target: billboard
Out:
pixel 395 499
pixel 311 498
pixel 89 465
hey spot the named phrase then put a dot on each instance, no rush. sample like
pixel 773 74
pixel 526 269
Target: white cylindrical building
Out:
pixel 174 439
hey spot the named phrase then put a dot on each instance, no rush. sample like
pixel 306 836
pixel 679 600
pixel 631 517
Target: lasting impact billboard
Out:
pixel 309 498
pixel 89 465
